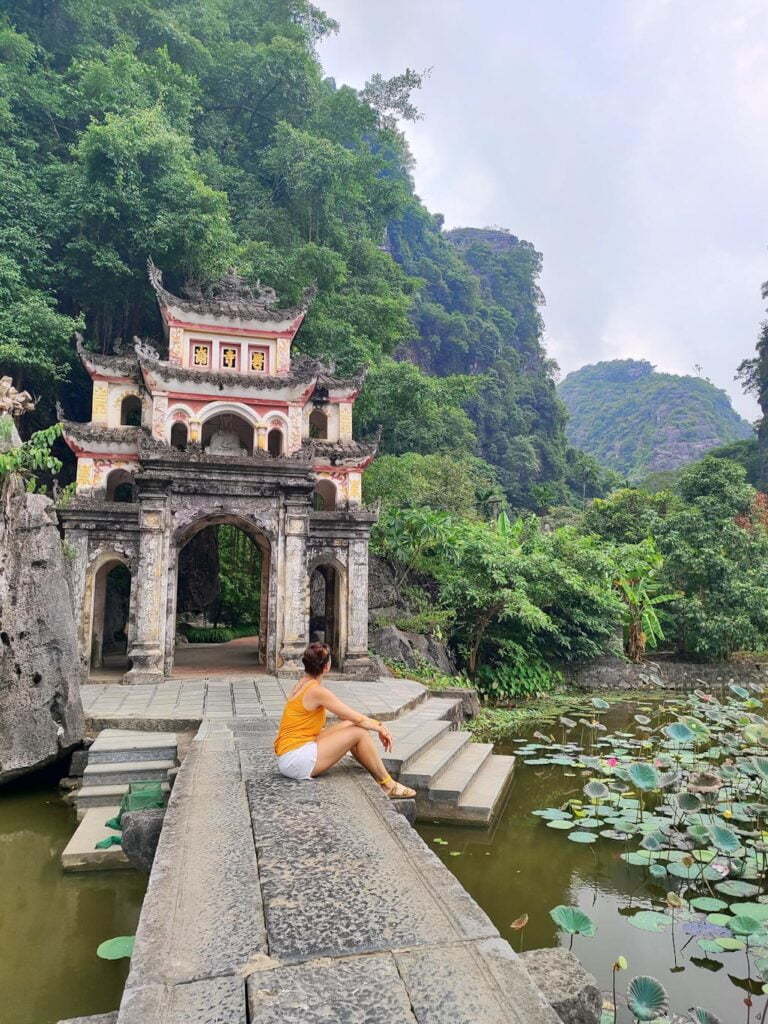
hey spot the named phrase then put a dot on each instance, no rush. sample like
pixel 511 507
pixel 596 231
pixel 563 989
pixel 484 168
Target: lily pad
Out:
pixel 561 824
pixel 650 921
pixel 733 887
pixel 709 904
pixel 730 945
pixel 582 837
pixel 117 948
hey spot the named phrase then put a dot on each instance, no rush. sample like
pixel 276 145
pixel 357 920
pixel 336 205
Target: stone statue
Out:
pixel 12 402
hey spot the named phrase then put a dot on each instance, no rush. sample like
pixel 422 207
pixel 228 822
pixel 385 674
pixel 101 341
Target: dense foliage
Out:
pixel 712 537
pixel 637 421
pixel 203 133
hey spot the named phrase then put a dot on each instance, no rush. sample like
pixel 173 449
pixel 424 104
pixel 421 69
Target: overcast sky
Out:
pixel 626 139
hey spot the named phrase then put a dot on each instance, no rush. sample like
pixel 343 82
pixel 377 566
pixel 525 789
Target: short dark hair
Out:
pixel 315 658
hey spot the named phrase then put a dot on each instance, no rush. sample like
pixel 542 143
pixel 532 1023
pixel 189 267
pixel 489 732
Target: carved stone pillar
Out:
pixel 147 650
pixel 295 625
pixel 357 662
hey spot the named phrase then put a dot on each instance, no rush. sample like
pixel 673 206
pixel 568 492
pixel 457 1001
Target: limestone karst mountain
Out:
pixel 638 421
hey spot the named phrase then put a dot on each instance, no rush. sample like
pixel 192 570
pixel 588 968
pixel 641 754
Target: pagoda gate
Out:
pixel 228 429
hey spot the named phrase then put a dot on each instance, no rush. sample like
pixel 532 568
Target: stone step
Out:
pixel 484 796
pixel 415 742
pixel 103 796
pixel 119 772
pixel 433 762
pixel 450 784
pixel 80 853
pixel 130 745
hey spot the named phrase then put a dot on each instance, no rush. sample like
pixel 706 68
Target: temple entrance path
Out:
pixel 275 902
pixel 180 704
pixel 236 658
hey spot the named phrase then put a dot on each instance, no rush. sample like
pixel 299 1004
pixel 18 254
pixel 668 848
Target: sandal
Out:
pixel 398 790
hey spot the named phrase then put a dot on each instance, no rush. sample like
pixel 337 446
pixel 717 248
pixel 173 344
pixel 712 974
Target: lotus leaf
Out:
pixel 568 723
pixel 612 833
pixel 117 948
pixel 733 887
pixel 582 837
pixel 573 920
pixel 642 719
pixel 700 1016
pixel 646 998
pixel 643 776
pixel 730 945
pixel 761 767
pixel 600 704
pixel 551 814
pixel 725 839
pixel 709 904
pixel 759 911
pixel 658 870
pixel 739 691
pixel 560 823
pixel 685 871
pixel 720 920
pixel 596 790
pixel 742 924
pixel 756 735
pixel 687 802
pixel 709 946
pixel 679 732
pixel 650 921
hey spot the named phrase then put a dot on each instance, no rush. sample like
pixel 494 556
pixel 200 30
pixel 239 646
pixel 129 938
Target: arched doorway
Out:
pixel 120 486
pixel 326 608
pixel 109 618
pixel 221 607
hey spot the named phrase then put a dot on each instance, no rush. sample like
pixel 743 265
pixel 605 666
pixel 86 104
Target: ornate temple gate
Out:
pixel 228 429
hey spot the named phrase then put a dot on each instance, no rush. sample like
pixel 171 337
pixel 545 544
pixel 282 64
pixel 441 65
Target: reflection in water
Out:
pixel 51 922
pixel 521 866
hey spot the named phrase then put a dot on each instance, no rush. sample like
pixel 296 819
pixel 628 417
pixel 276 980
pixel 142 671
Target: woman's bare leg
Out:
pixel 333 744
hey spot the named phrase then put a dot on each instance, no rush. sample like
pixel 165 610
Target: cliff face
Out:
pixel 637 421
pixel 41 716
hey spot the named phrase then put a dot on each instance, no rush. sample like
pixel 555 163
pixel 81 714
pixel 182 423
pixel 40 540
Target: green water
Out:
pixel 523 867
pixel 51 922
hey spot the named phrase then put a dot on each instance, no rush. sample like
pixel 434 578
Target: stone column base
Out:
pixel 360 666
pixel 146 665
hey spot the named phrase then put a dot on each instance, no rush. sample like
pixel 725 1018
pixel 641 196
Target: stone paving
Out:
pixel 189 700
pixel 276 902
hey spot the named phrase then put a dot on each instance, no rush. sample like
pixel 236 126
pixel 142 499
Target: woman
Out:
pixel 305 749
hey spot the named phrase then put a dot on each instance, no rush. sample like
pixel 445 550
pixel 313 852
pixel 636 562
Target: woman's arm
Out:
pixel 322 696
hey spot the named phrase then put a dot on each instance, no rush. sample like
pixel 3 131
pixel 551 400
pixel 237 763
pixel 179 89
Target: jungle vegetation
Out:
pixel 204 133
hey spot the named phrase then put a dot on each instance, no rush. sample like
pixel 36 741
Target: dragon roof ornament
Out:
pixel 120 365
pixel 231 296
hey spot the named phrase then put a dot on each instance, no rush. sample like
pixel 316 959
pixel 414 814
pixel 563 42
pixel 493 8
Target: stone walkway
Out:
pixel 275 902
pixel 177 703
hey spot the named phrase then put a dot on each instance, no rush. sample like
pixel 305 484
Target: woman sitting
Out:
pixel 305 749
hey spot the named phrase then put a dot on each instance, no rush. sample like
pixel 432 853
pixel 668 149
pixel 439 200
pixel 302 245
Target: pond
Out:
pixel 526 866
pixel 51 922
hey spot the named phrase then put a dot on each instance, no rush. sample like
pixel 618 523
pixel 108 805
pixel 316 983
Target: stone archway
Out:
pixel 327 606
pixel 204 534
pixel 109 613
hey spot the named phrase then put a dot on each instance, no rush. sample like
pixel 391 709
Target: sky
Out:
pixel 626 139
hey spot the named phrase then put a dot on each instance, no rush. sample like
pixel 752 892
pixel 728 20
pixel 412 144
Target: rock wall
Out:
pixel 41 716
pixel 610 673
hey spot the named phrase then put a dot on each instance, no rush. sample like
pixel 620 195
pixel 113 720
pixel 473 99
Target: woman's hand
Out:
pixel 385 736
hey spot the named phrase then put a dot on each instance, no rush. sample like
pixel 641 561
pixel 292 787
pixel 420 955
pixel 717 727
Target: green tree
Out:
pixel 462 485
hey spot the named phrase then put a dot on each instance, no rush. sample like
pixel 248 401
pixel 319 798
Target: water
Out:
pixel 51 922
pixel 524 867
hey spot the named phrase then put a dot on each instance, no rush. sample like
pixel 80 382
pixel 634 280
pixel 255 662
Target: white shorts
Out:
pixel 298 763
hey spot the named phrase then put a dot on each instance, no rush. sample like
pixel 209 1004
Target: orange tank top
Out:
pixel 298 726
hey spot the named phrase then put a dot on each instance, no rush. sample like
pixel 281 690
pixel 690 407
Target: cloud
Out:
pixel 626 141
